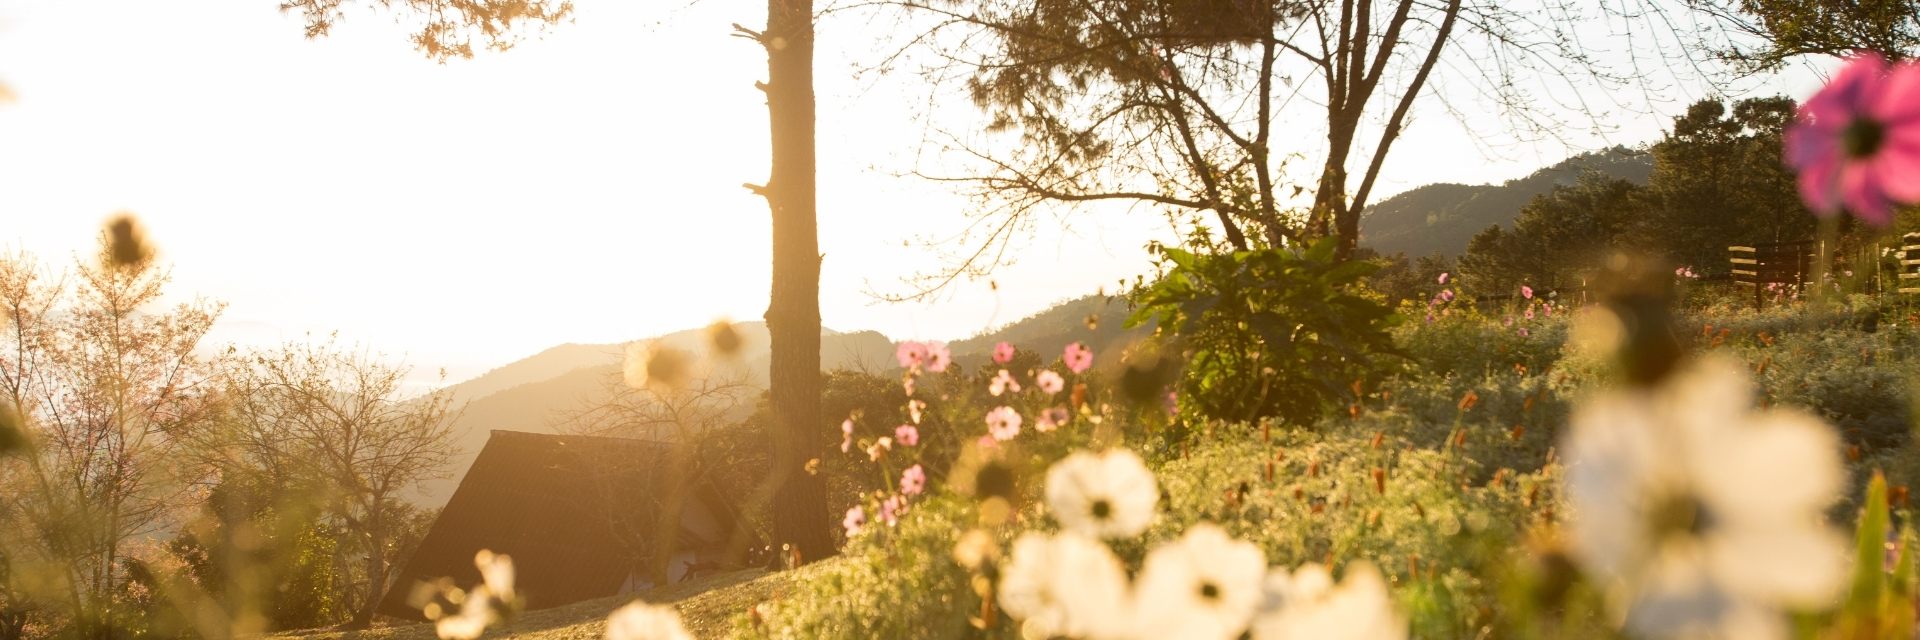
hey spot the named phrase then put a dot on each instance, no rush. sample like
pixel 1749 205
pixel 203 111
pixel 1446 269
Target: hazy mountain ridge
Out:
pixel 1051 330
pixel 532 393
pixel 1444 217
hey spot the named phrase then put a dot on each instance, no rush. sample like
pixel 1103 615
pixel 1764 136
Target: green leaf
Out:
pixel 1869 578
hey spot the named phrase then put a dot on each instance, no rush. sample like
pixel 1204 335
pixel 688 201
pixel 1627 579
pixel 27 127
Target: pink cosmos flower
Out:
pixel 906 435
pixel 913 480
pixel 1003 423
pixel 855 522
pixel 1003 383
pixel 1002 352
pixel 1050 382
pixel 1052 418
pixel 1429 317
pixel 1079 358
pixel 1509 321
pixel 890 510
pixel 911 354
pixel 1523 332
pixel 846 430
pixel 1856 143
pixel 1446 295
pixel 1529 314
pixel 1443 278
pixel 914 407
pixel 938 357
pixel 879 450
pixel 1526 292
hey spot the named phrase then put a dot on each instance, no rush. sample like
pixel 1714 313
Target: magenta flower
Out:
pixel 1529 313
pixel 1002 352
pixel 910 354
pixel 913 480
pixel 1526 292
pixel 1446 295
pixel 1856 143
pixel 938 357
pixel 1003 423
pixel 906 435
pixel 1443 278
pixel 1079 358
pixel 1050 382
pixel 855 522
pixel 1052 418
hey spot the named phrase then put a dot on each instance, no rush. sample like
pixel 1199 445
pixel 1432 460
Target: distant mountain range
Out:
pixel 530 393
pixel 1444 217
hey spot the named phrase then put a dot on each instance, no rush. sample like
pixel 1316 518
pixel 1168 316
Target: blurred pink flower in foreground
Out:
pixel 1003 383
pixel 890 510
pixel 1003 423
pixel 1526 292
pixel 1002 352
pixel 1050 382
pixel 938 357
pixel 1052 418
pixel 855 522
pixel 1079 358
pixel 906 435
pixel 846 432
pixel 913 480
pixel 1856 143
pixel 910 354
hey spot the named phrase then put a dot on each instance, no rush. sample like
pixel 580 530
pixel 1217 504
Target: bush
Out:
pixel 1267 333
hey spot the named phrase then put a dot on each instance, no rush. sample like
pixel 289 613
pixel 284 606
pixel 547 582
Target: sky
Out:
pixel 582 187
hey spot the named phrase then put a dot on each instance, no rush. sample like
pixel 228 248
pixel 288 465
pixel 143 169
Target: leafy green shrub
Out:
pixel 1267 333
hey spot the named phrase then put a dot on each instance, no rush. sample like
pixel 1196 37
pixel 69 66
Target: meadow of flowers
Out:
pixel 1657 460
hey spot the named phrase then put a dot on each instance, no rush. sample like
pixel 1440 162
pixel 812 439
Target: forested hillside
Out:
pixel 1443 217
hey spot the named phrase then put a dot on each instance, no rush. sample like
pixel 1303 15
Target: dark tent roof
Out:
pixel 576 513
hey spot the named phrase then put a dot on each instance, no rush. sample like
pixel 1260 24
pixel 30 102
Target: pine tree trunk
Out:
pixel 793 315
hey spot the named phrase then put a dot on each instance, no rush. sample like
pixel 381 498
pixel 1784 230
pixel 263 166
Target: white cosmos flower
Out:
pixel 1104 495
pixel 1306 606
pixel 642 621
pixel 476 613
pixel 1704 513
pixel 496 571
pixel 1065 585
pixel 1204 586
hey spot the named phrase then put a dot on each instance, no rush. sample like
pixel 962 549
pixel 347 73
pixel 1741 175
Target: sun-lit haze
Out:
pixel 584 187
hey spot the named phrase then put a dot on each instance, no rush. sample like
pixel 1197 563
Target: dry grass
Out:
pixel 707 604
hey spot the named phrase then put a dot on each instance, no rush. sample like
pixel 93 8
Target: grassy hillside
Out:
pixel 1443 217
